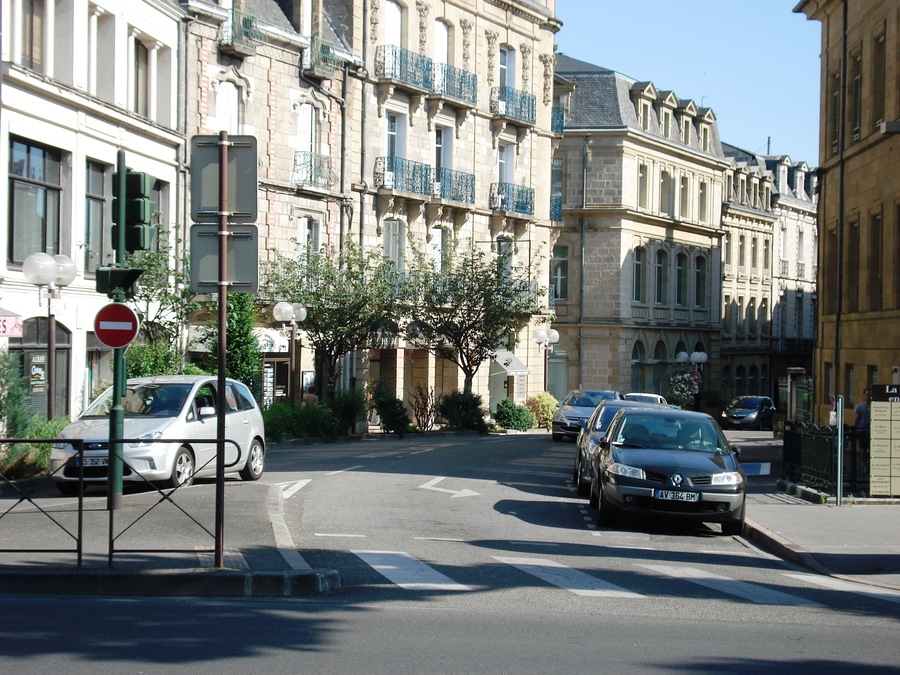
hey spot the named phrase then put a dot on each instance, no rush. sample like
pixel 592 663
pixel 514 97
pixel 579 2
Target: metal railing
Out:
pixel 512 198
pixel 556 208
pixel 454 185
pixel 241 31
pixel 558 120
pixel 313 169
pixel 455 83
pixel 320 58
pixel 395 63
pixel 397 173
pixel 513 103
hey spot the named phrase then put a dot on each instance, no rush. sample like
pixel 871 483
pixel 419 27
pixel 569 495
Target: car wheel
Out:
pixel 256 461
pixel 594 499
pixel 67 489
pixel 734 527
pixel 608 514
pixel 182 469
pixel 582 486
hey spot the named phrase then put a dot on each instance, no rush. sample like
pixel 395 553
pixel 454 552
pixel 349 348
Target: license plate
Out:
pixel 94 461
pixel 672 495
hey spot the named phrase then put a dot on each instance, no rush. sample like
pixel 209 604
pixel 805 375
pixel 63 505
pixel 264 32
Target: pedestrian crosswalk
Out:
pixel 409 573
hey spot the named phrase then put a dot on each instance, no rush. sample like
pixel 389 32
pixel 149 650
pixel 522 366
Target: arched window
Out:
pixel 31 352
pixel 700 282
pixel 662 277
pixel 681 279
pixel 637 366
pixel 639 271
pixel 659 367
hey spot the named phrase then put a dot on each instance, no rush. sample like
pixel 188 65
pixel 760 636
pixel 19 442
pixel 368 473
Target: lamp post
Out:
pixel 284 312
pixel 53 271
pixel 545 339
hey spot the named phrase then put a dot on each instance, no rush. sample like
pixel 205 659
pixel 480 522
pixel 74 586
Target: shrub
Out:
pixel 24 460
pixel 424 406
pixel 462 412
pixel 284 422
pixel 543 406
pixel 510 415
pixel 391 411
pixel 349 407
pixel 281 423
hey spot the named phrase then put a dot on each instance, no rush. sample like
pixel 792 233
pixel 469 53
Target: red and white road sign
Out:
pixel 116 325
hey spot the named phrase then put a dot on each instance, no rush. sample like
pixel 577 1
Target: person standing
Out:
pixel 861 425
pixel 311 398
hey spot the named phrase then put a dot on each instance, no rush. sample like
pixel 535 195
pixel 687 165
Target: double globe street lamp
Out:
pixel 53 271
pixel 545 339
pixel 294 313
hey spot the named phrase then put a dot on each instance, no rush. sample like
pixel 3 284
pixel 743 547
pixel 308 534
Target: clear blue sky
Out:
pixel 754 62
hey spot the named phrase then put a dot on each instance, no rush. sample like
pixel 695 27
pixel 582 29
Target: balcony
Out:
pixel 312 170
pixel 510 198
pixel 556 208
pixel 784 268
pixel 514 105
pixel 558 120
pixel 239 36
pixel 454 186
pixel 402 175
pixel 454 83
pixel 320 61
pixel 801 270
pixel 404 67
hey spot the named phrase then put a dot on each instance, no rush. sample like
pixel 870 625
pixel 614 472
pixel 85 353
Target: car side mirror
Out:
pixel 736 451
pixel 206 411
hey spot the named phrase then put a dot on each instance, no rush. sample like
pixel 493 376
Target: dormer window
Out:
pixel 704 138
pixel 667 123
pixel 686 130
pixel 645 116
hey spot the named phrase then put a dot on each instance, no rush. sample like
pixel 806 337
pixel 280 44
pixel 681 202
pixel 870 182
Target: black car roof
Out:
pixel 664 411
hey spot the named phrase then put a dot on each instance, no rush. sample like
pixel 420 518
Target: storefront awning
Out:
pixel 510 363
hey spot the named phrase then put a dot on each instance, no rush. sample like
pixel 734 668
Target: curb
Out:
pixel 783 548
pixel 194 582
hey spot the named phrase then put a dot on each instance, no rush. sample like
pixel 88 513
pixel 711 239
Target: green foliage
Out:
pixel 469 306
pixel 244 361
pixel 462 411
pixel 156 357
pixel 285 422
pixel 679 386
pixel 24 460
pixel 543 406
pixel 510 415
pixel 13 409
pixel 349 298
pixel 349 407
pixel 391 411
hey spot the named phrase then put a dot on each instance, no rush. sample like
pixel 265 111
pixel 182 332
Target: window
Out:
pixel 878 80
pixel 704 206
pixel 662 277
pixel 704 138
pixel 686 130
pixel 505 256
pixel 505 162
pixel 665 192
pixel 98 248
pixel 764 316
pixel 141 83
pixel 645 115
pixel 308 234
pixel 854 105
pixel 700 276
pixel 751 316
pixel 643 185
pixel 639 264
pixel 507 68
pixel 32 29
pixel 685 197
pixel 34 194
pixel 851 265
pixel 667 123
pixel 393 138
pixel 740 316
pixel 754 257
pixel 559 272
pixel 835 112
pixel 727 260
pixel 875 262
pixel 767 256
pixel 681 279
pixel 849 384
pixel 228 107
pixel 729 187
pixel 728 315
pixel 307 128
pixel 394 249
pixel 742 253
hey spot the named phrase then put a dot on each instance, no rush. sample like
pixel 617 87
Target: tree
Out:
pixel 244 360
pixel 349 298
pixel 470 306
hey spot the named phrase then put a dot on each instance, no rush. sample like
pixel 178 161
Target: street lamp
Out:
pixel 53 271
pixel 545 339
pixel 284 312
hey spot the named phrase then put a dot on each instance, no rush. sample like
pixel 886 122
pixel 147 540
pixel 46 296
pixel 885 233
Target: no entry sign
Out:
pixel 116 325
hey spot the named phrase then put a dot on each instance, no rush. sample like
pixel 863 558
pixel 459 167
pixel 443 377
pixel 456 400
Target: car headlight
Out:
pixel 150 436
pixel 752 415
pixel 729 478
pixel 59 445
pixel 624 470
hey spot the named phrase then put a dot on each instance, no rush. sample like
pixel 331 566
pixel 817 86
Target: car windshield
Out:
pixel 669 433
pixel 587 399
pixel 143 400
pixel 751 402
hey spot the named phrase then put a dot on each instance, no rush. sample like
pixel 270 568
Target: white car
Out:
pixel 178 407
pixel 646 398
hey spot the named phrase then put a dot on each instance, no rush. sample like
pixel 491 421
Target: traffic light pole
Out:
pixel 117 413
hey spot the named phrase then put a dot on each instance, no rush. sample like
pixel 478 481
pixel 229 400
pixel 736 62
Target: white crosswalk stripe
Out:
pixel 742 589
pixel 568 579
pixel 833 584
pixel 408 572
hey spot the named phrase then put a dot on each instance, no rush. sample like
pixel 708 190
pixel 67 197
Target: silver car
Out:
pixel 572 413
pixel 178 407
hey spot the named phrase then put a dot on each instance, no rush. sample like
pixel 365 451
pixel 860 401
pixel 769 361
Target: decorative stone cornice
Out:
pixel 423 7
pixel 373 20
pixel 549 60
pixel 466 25
pixel 526 64
pixel 492 37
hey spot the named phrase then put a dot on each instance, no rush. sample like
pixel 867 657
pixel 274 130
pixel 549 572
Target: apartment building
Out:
pixel 858 339
pixel 637 265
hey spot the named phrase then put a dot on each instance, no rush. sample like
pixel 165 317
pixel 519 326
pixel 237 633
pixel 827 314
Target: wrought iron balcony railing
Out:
pixel 513 103
pixel 240 34
pixel 313 169
pixel 455 83
pixel 397 173
pixel 558 120
pixel 400 64
pixel 556 208
pixel 512 198
pixel 454 185
pixel 320 59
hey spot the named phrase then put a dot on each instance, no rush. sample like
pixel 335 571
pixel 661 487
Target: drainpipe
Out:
pixel 362 126
pixel 581 278
pixel 839 264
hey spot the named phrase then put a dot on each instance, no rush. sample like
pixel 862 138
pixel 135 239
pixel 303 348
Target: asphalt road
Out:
pixel 470 555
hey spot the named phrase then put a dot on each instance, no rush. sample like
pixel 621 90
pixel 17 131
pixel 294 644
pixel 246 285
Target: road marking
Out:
pixel 439 539
pixel 567 578
pixel 742 589
pixel 337 534
pixel 419 452
pixel 887 594
pixel 349 468
pixel 283 541
pixel 430 485
pixel 380 455
pixel 407 572
pixel 757 468
pixel 289 492
pixel 232 559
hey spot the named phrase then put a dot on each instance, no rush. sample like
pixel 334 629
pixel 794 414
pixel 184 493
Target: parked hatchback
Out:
pixel 748 412
pixel 178 407
pixel 668 462
pixel 574 410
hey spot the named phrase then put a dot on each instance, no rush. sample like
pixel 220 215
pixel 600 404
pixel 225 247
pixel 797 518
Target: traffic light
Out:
pixel 138 210
pixel 116 280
